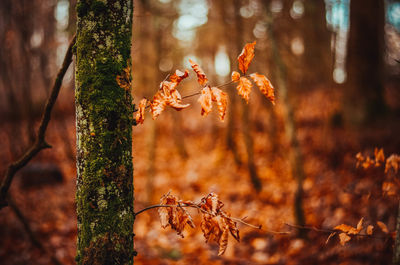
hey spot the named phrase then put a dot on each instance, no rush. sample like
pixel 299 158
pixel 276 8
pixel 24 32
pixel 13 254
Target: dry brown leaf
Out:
pixel 392 161
pixel 370 229
pixel 344 238
pixel 360 158
pixel 158 105
pixel 360 225
pixel 140 113
pixel 124 79
pixel 265 86
pixel 329 237
pixel 383 227
pixel 216 224
pixel 244 88
pixel 379 156
pixel 168 95
pixel 349 229
pixel 201 76
pixel 178 76
pixel 246 56
pixel 222 101
pixel 176 216
pixel 205 100
pixel 235 76
pixel 368 162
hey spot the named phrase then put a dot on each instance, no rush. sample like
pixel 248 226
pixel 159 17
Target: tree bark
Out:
pixel 364 93
pixel 104 133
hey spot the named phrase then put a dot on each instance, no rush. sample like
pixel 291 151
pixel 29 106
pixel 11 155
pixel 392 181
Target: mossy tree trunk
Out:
pixel 104 133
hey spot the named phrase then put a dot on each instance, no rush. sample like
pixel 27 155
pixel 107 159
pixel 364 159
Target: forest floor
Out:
pixel 196 162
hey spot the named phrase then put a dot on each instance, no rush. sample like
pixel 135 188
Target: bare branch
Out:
pixel 40 142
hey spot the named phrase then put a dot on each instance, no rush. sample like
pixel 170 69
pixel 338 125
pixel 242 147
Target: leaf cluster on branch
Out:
pixel 168 95
pixel 216 224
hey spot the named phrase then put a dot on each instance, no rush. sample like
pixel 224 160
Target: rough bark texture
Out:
pixel 104 133
pixel 364 93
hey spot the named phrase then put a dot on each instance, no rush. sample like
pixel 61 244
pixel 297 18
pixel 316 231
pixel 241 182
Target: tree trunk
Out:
pixel 364 93
pixel 104 133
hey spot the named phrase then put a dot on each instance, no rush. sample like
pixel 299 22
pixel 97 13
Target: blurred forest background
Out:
pixel 335 68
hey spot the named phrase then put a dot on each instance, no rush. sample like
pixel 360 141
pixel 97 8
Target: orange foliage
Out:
pixel 246 56
pixel 201 76
pixel 265 86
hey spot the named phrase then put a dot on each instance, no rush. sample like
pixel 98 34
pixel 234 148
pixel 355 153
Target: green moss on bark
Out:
pixel 104 134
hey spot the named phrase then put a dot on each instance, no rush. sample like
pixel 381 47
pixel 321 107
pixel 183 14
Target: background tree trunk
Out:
pixel 364 93
pixel 104 133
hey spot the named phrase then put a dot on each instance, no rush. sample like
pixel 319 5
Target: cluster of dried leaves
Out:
pixel 347 232
pixel 392 162
pixel 216 224
pixel 168 95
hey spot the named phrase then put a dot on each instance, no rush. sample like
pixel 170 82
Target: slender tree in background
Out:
pixel 363 98
pixel 104 132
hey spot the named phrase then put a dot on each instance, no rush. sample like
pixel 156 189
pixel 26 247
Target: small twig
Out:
pixel 330 231
pixel 35 241
pixel 40 142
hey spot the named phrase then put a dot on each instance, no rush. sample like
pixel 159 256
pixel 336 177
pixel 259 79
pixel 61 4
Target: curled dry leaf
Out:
pixel 178 76
pixel 349 229
pixel 383 227
pixel 265 86
pixel 344 238
pixel 235 76
pixel 244 88
pixel 201 76
pixel 205 100
pixel 246 56
pixel 222 101
pixel 370 229
pixel 379 156
pixel 158 105
pixel 168 95
pixel 393 162
pixel 175 216
pixel 216 224
pixel 140 113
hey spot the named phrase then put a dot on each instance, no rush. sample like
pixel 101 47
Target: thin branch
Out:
pixel 40 142
pixel 330 231
pixel 35 241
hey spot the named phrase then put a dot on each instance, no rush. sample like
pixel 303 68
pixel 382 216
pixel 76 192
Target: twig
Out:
pixel 330 231
pixel 35 241
pixel 40 142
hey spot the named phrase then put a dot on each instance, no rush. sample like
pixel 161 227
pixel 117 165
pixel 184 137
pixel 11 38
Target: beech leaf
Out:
pixel 344 238
pixel 222 101
pixel 265 86
pixel 235 76
pixel 244 88
pixel 246 56
pixel 201 76
pixel 140 113
pixel 205 100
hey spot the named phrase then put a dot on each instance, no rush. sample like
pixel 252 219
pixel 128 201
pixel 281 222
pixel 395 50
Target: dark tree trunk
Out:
pixel 104 133
pixel 364 92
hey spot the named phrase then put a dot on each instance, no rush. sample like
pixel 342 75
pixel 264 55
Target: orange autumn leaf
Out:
pixel 140 114
pixel 244 88
pixel 370 229
pixel 344 238
pixel 349 229
pixel 205 100
pixel 158 105
pixel 216 224
pixel 379 156
pixel 265 86
pixel 178 76
pixel 383 227
pixel 222 101
pixel 235 76
pixel 176 217
pixel 246 56
pixel 201 76
pixel 168 95
pixel 392 161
